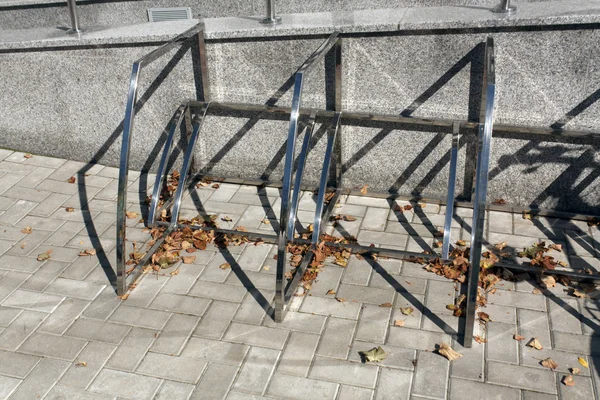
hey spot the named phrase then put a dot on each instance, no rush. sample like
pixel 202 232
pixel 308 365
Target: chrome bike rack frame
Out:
pixel 124 280
pixel 193 112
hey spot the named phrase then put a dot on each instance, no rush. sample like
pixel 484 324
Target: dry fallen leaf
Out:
pixel 266 221
pixel 386 305
pixel 549 363
pixel 349 218
pixel 568 380
pixel 500 246
pixel 216 186
pixel 407 310
pixel 188 259
pixel 131 215
pixel 547 281
pixel 124 296
pixel 363 190
pixel 44 256
pixel 225 266
pixel 484 317
pixel 71 180
pixel 445 350
pixel 583 362
pixel 399 322
pixel 226 219
pixel 81 364
pixel 330 291
pixel 69 209
pixel 27 155
pixel 479 339
pixel 518 337
pixel 340 299
pixel 87 252
pixel 376 354
pixel 461 243
pixel 499 202
pixel 173 273
pixel 535 343
pixel 27 230
pixel 575 371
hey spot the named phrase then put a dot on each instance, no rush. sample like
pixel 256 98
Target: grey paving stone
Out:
pixel 218 291
pixel 299 321
pixel 21 192
pixel 415 339
pixel 253 257
pixel 182 282
pixel 357 272
pixel 35 177
pixel 255 307
pixel 146 290
pixel 7 386
pixel 8 315
pixel 49 271
pixel 382 238
pixel 366 294
pixel 256 335
pixel 345 372
pixel 461 389
pixel 355 393
pixel 175 334
pixel 215 351
pixel 565 361
pixel 10 281
pixel 298 354
pixel 397 357
pixel 50 205
pixel 373 323
pixel 295 387
pixel 132 349
pixel 506 315
pixel 23 264
pixel 328 279
pixel 20 329
pixel 337 337
pixel 180 304
pixel 216 320
pixel 527 395
pixel 99 331
pixel 375 219
pixel 16 364
pixel 393 384
pixel 534 324
pixel 95 356
pixel 440 321
pixel 130 386
pixel 17 211
pixel 171 390
pixel 439 295
pixel 471 364
pixel 171 367
pixel 215 382
pixel 46 345
pixel 64 393
pixel 431 376
pixel 501 345
pixel 565 319
pixel 521 377
pixel 330 307
pixel 152 319
pixel 81 268
pixel 74 288
pixel 33 301
pixel 104 305
pixel 257 370
pixel 517 299
pixel 41 380
pixel 579 344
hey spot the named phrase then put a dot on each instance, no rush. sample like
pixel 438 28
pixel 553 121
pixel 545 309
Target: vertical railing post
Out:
pixel 72 5
pixel 505 8
pixel 271 18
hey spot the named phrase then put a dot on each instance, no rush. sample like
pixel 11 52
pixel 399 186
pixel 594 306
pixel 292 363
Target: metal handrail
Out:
pixel 451 190
pixel 130 111
pixel 481 183
pixel 72 6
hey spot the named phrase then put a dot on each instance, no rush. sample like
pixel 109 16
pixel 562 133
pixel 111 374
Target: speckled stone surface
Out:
pixel 74 106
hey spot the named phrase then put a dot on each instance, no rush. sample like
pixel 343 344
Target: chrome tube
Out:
pixel 271 18
pixel 331 135
pixel 128 122
pixel 451 190
pixel 481 179
pixel 72 6
pixel 160 174
pixel 299 173
pixel 187 161
pixel 504 8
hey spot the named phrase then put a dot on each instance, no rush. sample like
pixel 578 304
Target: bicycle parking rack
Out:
pixel 194 112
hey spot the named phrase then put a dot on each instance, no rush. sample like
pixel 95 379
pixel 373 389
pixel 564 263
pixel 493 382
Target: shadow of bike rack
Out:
pixel 193 113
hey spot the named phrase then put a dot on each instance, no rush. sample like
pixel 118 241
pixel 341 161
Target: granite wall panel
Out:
pixel 70 103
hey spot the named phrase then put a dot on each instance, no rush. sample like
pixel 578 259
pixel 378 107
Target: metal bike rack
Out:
pixel 193 113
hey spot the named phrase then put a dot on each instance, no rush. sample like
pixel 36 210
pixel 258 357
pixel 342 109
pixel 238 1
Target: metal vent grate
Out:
pixel 169 14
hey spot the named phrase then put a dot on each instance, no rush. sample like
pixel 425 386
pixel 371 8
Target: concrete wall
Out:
pixel 107 13
pixel 70 103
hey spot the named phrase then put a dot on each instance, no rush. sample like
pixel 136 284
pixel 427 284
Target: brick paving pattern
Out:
pixel 205 333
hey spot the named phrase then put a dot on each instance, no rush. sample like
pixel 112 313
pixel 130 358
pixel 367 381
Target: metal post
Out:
pixel 72 5
pixel 505 8
pixel 271 18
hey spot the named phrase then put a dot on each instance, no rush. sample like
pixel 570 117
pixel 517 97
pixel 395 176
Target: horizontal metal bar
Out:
pixel 440 123
pixel 575 276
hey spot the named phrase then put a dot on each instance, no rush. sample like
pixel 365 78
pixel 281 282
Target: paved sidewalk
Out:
pixel 201 334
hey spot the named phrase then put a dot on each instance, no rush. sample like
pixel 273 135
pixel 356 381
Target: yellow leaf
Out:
pixel 583 362
pixel 131 215
pixel 407 310
pixel 225 266
pixel 81 364
pixel 535 343
pixel 27 230
pixel 399 322
pixel 364 189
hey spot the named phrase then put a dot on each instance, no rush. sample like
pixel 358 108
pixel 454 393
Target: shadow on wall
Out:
pixel 530 155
